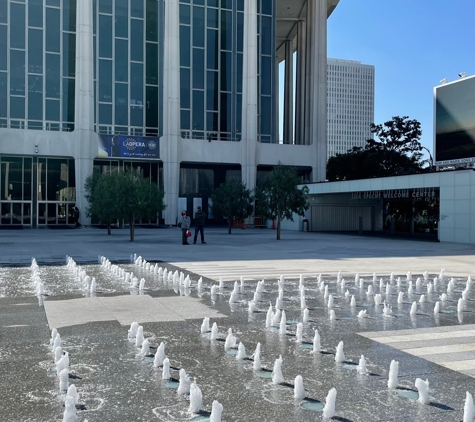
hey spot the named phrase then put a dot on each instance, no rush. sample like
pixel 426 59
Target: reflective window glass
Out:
pixel 266 115
pixel 3 12
pixel 185 17
pixel 35 97
pixel 105 6
pixel 240 5
pixel 136 84
pixel 105 80
pixel 213 3
pixel 212 91
pixel 151 69
pixel 3 94
pixel 35 51
pixel 52 29
pixel 68 99
pixel 198 110
pixel 69 15
pixel 240 31
pixel 17 107
pixel 266 35
pixel 53 75
pixel 213 21
pixel 56 3
pixel 226 30
pixel 151 114
pixel 17 25
pixel 105 114
pixel 121 104
pixel 185 48
pixel 17 72
pixel 121 18
pixel 57 183
pixel 152 21
pixel 185 119
pixel 105 36
pixel 136 40
pixel 136 8
pixel 69 54
pixel 52 110
pixel 11 176
pixel 212 124
pixel 35 13
pixel 198 68
pixel 228 4
pixel 267 7
pixel 226 71
pixel 266 75
pixel 212 49
pixel 121 60
pixel 239 72
pixel 226 112
pixel 27 185
pixel 198 26
pixel 185 88
pixel 3 47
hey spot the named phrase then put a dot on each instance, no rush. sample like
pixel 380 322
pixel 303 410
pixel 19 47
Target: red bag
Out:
pixel 188 233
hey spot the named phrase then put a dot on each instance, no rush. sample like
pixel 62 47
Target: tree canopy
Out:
pixel 232 199
pixel 279 196
pixel 396 150
pixel 123 196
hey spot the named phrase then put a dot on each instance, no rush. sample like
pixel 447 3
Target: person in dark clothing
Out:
pixel 200 218
pixel 76 216
pixel 184 223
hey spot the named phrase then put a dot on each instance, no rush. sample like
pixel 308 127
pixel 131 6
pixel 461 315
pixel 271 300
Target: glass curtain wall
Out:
pixel 37 64
pixel 128 47
pixel 211 66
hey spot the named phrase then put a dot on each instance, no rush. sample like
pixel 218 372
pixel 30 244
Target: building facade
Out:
pixel 182 90
pixel 350 104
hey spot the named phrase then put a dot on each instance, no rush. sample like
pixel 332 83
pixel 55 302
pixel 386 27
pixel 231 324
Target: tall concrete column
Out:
pixel 249 95
pixel 319 90
pixel 86 145
pixel 171 111
pixel 309 70
pixel 300 83
pixel 289 94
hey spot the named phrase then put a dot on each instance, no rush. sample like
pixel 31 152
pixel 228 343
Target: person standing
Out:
pixel 76 216
pixel 184 223
pixel 200 218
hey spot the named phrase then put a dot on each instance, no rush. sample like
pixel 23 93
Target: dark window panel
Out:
pixel 212 124
pixel 3 47
pixel 136 116
pixel 240 5
pixel 198 26
pixel 68 100
pixel 200 2
pixel 17 25
pixel 185 44
pixel 212 49
pixel 238 116
pixel 53 75
pixel 151 113
pixel 228 4
pixel 121 60
pixel 267 7
pixel 53 30
pixel 35 13
pixel 185 88
pixel 69 54
pixel 266 35
pixel 121 105
pixel 212 91
pixel 226 71
pixel 105 6
pixel 12 171
pixel 27 185
pixel 239 72
pixel 69 15
pixel 198 68
pixel 136 8
pixel 226 112
pixel 151 68
pixel 136 84
pixel 35 51
pixel 52 110
pixel 185 14
pixel 213 18
pixel 226 30
pixel 266 76
pixel 240 31
pixel 3 94
pixel 198 123
pixel 35 97
pixel 213 3
pixel 105 80
pixel 56 3
pixel 105 36
pixel 152 21
pixel 121 18
pixel 266 115
pixel 17 107
pixel 17 72
pixel 185 120
pixel 136 40
pixel 105 114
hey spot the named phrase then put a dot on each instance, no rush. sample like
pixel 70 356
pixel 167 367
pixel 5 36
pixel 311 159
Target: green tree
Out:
pixel 395 151
pixel 232 199
pixel 279 196
pixel 123 196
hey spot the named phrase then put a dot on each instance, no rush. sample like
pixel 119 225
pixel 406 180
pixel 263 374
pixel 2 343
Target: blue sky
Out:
pixel 413 44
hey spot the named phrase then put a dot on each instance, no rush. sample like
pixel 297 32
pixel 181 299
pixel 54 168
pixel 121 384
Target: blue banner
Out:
pixel 123 146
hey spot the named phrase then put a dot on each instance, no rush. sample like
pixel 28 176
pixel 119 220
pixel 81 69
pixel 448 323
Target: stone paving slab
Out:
pixel 125 309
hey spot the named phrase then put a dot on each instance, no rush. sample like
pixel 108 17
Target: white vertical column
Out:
pixel 85 148
pixel 289 94
pixel 319 90
pixel 309 63
pixel 249 95
pixel 300 83
pixel 171 110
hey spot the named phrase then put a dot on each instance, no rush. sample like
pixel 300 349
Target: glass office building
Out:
pixel 183 90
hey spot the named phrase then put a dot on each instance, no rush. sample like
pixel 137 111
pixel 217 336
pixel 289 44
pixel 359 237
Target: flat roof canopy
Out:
pixel 289 12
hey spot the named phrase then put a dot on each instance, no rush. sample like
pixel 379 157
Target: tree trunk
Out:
pixel 230 225
pixel 278 227
pixel 109 229
pixel 132 230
